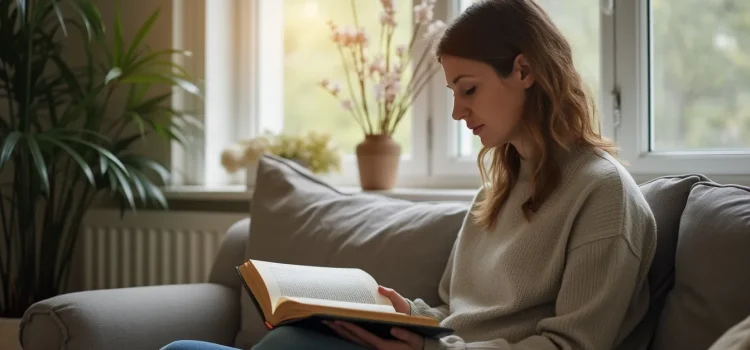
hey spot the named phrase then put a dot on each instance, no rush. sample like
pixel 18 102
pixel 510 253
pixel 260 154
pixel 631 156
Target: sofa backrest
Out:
pixel 711 290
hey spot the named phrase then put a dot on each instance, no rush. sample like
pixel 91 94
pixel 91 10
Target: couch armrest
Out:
pixel 132 318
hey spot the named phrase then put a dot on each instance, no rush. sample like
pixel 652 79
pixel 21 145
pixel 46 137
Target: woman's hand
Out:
pixel 399 303
pixel 405 340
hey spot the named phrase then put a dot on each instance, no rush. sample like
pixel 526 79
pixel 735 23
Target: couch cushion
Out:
pixel 712 281
pixel 299 219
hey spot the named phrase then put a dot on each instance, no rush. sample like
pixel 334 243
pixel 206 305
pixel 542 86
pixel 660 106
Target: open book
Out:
pixel 306 295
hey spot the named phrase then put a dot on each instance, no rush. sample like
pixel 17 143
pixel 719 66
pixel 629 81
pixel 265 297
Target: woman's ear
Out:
pixel 521 65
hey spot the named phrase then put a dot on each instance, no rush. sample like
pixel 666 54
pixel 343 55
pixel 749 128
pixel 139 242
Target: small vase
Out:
pixel 378 158
pixel 9 328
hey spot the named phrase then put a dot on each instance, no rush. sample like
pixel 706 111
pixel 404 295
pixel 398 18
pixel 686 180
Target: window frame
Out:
pixel 631 130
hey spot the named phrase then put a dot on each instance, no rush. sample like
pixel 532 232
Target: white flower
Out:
pixel 334 88
pixel 377 65
pixel 423 12
pixel 231 158
pixel 434 28
pixel 347 105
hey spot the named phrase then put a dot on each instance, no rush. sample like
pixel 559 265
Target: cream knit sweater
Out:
pixel 572 278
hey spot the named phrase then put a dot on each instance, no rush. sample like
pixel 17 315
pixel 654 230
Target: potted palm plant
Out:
pixel 64 143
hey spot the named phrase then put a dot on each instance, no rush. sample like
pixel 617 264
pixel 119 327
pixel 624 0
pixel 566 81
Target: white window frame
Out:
pixel 631 130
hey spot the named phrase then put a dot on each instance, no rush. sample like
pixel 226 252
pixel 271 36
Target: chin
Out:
pixel 489 143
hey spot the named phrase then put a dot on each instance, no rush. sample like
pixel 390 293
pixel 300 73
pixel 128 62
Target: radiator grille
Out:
pixel 150 248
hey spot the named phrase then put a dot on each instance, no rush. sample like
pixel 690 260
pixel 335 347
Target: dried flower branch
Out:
pixel 383 72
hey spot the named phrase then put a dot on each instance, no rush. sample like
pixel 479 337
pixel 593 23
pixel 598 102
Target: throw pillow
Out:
pixel 710 292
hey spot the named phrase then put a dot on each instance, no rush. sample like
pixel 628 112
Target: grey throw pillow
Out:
pixel 712 281
pixel 298 219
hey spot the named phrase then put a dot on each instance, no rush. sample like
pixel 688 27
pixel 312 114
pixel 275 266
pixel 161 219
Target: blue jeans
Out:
pixel 282 338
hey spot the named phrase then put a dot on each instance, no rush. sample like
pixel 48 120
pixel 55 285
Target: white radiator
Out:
pixel 150 247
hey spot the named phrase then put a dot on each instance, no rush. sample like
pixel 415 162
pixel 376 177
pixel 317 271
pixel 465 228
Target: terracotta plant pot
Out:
pixel 378 158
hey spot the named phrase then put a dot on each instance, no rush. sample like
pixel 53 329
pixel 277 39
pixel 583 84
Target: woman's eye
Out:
pixel 470 91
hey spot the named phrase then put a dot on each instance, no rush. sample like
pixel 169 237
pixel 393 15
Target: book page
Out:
pixel 323 283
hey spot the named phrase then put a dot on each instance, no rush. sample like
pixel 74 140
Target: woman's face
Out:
pixel 490 104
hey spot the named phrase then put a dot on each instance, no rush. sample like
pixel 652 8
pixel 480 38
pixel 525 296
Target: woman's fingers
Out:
pixel 346 334
pixel 361 333
pixel 398 302
pixel 414 340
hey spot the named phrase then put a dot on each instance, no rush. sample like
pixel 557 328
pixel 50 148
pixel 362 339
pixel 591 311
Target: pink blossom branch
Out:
pixel 355 111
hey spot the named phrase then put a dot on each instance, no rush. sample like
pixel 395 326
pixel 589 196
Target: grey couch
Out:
pixel 700 282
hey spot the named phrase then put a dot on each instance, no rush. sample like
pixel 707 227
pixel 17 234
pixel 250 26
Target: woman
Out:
pixel 560 240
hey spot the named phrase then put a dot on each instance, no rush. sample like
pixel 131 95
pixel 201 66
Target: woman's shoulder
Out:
pixel 607 191
pixel 596 169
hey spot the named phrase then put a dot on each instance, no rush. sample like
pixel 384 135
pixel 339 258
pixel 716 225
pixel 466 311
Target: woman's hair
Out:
pixel 558 113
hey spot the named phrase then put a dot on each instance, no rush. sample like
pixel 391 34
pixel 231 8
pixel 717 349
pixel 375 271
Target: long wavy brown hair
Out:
pixel 558 113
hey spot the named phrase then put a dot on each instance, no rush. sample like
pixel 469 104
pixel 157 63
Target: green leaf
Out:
pixel 149 104
pixel 124 185
pixel 102 152
pixel 153 56
pixel 91 18
pixel 103 164
pixel 139 186
pixel 145 163
pixel 113 74
pixel 112 181
pixel 77 131
pixel 41 166
pixel 153 191
pixel 9 144
pixel 145 28
pixel 75 155
pixel 124 143
pixel 141 127
pixel 60 17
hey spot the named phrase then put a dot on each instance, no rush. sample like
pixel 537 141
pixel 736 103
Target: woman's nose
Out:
pixel 459 112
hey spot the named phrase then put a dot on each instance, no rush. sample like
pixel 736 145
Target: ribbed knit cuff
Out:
pixel 415 310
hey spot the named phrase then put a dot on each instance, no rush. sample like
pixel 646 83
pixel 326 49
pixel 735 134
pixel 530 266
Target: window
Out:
pixel 671 80
pixel 700 75
pixel 684 80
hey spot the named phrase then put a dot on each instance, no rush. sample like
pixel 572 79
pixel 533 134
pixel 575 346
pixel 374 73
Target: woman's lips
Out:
pixel 477 129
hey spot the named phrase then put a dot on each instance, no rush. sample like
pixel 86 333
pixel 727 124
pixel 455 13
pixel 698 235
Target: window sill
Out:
pixel 241 193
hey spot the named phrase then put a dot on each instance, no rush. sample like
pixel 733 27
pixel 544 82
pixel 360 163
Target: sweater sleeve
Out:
pixel 419 307
pixel 599 280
